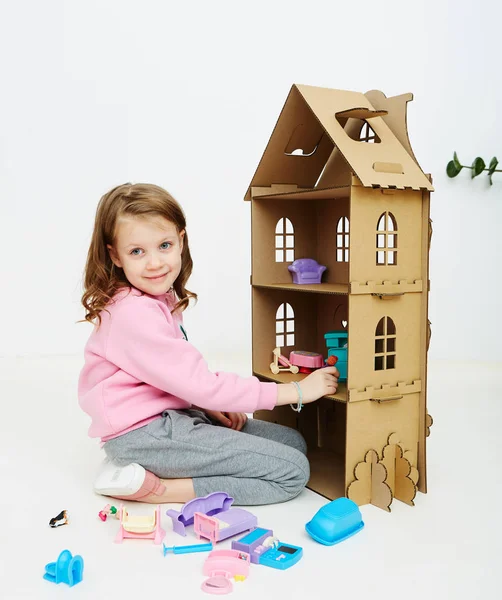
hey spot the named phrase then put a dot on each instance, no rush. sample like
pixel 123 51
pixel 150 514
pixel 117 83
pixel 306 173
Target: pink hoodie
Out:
pixel 138 363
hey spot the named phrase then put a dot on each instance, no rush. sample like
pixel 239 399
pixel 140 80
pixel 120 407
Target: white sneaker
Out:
pixel 113 480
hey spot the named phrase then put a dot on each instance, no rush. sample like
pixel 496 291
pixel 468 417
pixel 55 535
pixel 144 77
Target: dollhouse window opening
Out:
pixel 342 240
pixel 386 240
pixel 368 135
pixel 285 325
pixel 300 152
pixel 359 130
pixel 299 143
pixel 284 241
pixel 385 345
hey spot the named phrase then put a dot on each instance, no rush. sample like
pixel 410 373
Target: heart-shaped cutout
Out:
pixel 344 323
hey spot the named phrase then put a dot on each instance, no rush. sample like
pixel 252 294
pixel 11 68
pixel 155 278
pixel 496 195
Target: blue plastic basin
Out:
pixel 335 522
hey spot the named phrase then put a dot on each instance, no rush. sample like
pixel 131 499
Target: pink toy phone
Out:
pixel 221 566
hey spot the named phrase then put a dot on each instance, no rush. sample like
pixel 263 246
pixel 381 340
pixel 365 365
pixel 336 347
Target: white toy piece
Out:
pixel 280 359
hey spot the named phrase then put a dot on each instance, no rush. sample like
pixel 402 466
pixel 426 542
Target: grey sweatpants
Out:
pixel 263 463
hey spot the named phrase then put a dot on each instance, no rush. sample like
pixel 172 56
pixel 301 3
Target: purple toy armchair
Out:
pixel 306 270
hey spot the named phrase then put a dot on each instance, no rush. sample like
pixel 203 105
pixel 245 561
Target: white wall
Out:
pixel 185 95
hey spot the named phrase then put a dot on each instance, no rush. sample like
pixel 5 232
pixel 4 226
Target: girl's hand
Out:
pixel 233 420
pixel 321 382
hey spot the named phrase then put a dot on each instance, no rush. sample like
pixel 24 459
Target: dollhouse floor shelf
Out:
pixel 290 193
pixel 286 377
pixel 318 288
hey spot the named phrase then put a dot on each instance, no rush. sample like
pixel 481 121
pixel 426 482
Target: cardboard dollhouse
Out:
pixel 338 182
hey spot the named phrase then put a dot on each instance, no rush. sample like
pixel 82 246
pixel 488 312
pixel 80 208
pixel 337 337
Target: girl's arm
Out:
pixel 144 340
pixel 316 385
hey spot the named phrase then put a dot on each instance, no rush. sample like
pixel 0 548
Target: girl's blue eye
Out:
pixel 136 251
pixel 165 245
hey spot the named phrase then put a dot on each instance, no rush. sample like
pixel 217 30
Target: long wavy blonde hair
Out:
pixel 102 279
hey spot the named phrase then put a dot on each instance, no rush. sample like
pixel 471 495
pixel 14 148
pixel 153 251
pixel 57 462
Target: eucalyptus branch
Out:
pixel 454 167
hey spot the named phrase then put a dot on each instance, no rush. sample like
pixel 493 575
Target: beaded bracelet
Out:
pixel 299 404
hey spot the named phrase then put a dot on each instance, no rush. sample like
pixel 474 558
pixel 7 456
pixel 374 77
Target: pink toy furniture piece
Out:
pixel 306 270
pixel 221 566
pixel 302 358
pixel 140 527
pixel 227 521
pixel 223 525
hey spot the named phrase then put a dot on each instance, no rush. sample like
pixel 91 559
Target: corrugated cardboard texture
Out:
pixel 315 143
pixel 396 115
pixel 315 237
pixel 377 292
pixel 369 485
pixel 367 312
pixel 369 424
pixel 315 314
pixel 296 129
pixel 425 339
pixel 366 208
pixel 293 192
pixel 402 477
pixel 327 103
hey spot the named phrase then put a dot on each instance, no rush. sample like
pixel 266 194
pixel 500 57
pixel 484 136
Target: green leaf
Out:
pixel 491 169
pixel 452 170
pixel 457 162
pixel 478 166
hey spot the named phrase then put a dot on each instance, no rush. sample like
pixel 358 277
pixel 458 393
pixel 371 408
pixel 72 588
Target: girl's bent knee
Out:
pixel 300 442
pixel 300 475
pixel 304 467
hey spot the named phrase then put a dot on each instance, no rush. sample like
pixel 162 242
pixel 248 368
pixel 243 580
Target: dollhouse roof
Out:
pixel 317 142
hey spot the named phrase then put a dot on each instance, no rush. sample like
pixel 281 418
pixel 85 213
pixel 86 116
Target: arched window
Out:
pixel 386 240
pixel 342 240
pixel 285 326
pixel 385 344
pixel 368 135
pixel 284 241
pixel 358 130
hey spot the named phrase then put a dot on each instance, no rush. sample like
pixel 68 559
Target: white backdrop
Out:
pixel 186 95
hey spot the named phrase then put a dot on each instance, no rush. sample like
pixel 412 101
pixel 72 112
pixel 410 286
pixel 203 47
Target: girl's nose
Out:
pixel 154 261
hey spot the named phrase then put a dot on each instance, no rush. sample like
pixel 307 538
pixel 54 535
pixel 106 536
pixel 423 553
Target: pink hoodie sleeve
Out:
pixel 142 341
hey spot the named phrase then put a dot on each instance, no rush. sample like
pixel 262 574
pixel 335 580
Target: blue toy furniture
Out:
pixel 336 342
pixel 335 522
pixel 264 549
pixel 306 270
pixel 67 569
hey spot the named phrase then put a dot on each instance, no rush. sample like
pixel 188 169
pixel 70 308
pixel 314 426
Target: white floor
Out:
pixel 447 546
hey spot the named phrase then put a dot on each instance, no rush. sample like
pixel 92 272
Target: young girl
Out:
pixel 173 430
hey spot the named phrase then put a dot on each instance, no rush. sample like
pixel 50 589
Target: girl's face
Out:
pixel 149 251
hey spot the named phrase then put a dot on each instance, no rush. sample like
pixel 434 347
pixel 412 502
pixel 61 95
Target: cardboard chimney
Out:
pixel 338 182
